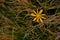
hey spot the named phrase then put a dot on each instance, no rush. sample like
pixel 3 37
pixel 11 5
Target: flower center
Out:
pixel 38 15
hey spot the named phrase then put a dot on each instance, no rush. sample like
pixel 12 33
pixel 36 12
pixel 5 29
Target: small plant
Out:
pixel 38 16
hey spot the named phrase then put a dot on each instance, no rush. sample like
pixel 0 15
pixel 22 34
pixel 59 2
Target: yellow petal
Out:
pixel 34 19
pixel 34 11
pixel 43 17
pixel 41 20
pixel 40 11
pixel 38 20
pixel 37 10
pixel 43 14
pixel 32 14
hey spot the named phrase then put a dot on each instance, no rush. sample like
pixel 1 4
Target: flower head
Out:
pixel 38 16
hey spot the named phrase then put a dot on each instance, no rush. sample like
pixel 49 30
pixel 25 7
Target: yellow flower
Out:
pixel 38 16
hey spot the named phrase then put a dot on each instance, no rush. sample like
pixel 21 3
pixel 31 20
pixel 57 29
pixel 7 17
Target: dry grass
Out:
pixel 16 22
